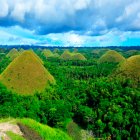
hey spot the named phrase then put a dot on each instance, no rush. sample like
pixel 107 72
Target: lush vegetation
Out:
pixel 44 131
pixel 32 130
pixel 14 136
pixel 87 94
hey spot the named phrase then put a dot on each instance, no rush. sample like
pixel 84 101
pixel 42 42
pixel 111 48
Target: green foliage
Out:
pixel 86 93
pixel 46 132
pixel 14 136
pixel 74 131
pixel 4 62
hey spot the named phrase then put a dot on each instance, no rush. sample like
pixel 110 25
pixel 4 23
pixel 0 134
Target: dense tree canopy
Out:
pixel 86 93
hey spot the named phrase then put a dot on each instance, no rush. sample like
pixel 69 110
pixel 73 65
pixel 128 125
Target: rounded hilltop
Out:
pixel 111 56
pixel 26 74
pixel 130 68
pixel 67 55
pixel 78 56
pixel 47 53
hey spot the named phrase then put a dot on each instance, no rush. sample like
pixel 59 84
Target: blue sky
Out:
pixel 70 22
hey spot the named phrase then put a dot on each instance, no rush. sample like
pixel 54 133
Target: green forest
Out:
pixel 90 93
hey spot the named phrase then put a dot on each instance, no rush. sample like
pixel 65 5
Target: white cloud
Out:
pixel 81 4
pixel 47 16
pixel 72 22
pixel 131 10
pixel 74 40
pixel 3 8
pixel 20 9
pixel 16 36
pixel 67 39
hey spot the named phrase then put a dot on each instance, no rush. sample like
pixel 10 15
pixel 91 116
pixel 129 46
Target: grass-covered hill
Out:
pixel 78 56
pixel 21 50
pixel 28 129
pixel 111 56
pixel 56 50
pixel 131 53
pixel 67 55
pixel 26 74
pixel 13 54
pixel 130 68
pixel 47 53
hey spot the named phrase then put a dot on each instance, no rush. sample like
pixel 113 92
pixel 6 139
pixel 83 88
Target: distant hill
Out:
pixel 56 50
pixel 111 56
pixel 28 129
pixel 47 53
pixel 130 68
pixel 26 74
pixel 56 55
pixel 67 55
pixel 21 50
pixel 131 53
pixel 13 54
pixel 78 56
pixel 97 53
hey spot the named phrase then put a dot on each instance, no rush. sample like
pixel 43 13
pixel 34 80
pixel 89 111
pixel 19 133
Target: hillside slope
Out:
pixel 28 129
pixel 13 54
pixel 111 56
pixel 26 74
pixel 130 68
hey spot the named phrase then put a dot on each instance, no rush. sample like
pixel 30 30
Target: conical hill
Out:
pixel 66 55
pixel 78 56
pixel 47 53
pixel 13 54
pixel 111 56
pixel 130 68
pixel 26 74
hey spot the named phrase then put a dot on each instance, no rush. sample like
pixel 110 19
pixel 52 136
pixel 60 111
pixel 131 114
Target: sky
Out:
pixel 70 22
